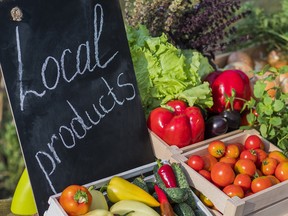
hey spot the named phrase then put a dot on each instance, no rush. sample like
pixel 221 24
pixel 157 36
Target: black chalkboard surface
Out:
pixel 73 92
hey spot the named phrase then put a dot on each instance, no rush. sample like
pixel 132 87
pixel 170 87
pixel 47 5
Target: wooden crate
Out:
pixel 164 151
pixel 262 203
pixel 56 209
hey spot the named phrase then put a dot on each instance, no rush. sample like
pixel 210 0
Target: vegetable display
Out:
pixel 244 174
pixel 138 197
pixel 177 123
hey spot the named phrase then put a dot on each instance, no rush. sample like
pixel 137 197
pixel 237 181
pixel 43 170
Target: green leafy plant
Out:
pixel 271 119
pixel 202 25
pixel 263 26
pixel 11 160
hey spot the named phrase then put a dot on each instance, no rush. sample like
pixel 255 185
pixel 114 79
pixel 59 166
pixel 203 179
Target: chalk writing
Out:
pixel 98 26
pixel 85 126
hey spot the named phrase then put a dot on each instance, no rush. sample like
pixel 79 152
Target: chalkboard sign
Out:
pixel 73 92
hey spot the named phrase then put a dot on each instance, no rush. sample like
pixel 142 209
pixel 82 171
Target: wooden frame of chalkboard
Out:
pixel 73 92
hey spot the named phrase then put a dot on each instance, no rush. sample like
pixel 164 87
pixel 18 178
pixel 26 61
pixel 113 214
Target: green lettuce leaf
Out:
pixel 164 72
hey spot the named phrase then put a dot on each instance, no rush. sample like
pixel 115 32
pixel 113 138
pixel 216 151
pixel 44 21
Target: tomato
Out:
pixel 206 174
pixel 245 166
pixel 228 160
pixel 222 174
pixel 248 193
pixel 206 201
pixel 268 166
pixel 260 183
pixel 273 179
pixel 249 154
pixel 258 173
pixel 234 190
pixel 75 200
pixel 261 155
pixel 232 151
pixel 196 162
pixel 281 171
pixel 216 148
pixel 253 142
pixel 209 162
pixel 278 155
pixel 243 180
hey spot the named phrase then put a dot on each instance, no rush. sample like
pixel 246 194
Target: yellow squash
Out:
pixel 120 189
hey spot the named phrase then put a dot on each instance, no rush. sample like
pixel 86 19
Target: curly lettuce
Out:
pixel 164 72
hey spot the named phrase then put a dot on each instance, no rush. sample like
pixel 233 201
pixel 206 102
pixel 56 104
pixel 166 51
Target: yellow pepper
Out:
pixel 120 189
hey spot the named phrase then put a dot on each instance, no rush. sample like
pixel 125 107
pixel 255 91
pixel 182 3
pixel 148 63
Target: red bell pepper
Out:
pixel 177 124
pixel 223 84
pixel 165 207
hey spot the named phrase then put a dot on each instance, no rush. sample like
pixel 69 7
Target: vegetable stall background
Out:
pixel 11 161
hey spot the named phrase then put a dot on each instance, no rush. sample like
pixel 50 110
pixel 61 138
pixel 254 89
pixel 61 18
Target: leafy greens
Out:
pixel 164 72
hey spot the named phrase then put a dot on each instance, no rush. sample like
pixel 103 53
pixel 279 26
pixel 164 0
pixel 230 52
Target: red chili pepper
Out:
pixel 165 207
pixel 167 175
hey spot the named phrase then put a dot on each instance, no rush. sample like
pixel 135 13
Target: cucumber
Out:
pixel 183 209
pixel 139 181
pixel 190 199
pixel 176 195
pixel 199 212
pixel 180 176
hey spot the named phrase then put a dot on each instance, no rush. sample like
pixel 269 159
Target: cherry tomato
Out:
pixel 268 166
pixel 248 193
pixel 281 171
pixel 209 162
pixel 273 179
pixel 261 155
pixel 260 183
pixel 75 200
pixel 232 151
pixel 196 162
pixel 243 180
pixel 228 160
pixel 206 174
pixel 257 174
pixel 278 155
pixel 234 190
pixel 245 166
pixel 216 148
pixel 249 154
pixel 222 174
pixel 253 142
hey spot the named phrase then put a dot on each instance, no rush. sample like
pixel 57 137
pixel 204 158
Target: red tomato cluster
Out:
pixel 241 169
